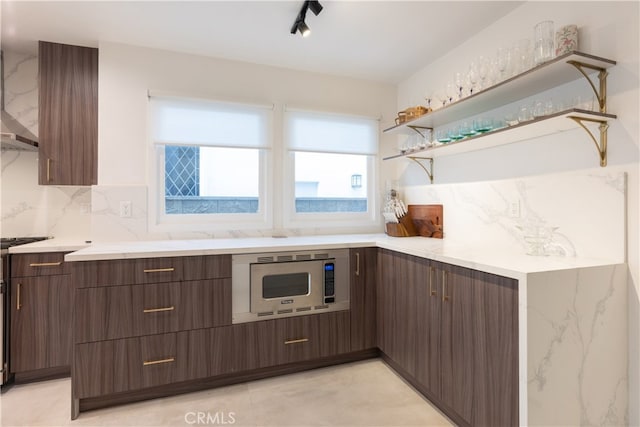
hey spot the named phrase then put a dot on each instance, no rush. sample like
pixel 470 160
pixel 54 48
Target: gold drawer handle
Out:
pixel 45 264
pixel 296 341
pixel 157 362
pixel 160 270
pixel 157 310
pixel 48 170
pixel 18 303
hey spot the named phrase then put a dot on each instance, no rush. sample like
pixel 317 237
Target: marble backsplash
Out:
pixel 586 208
pixel 28 209
pixel 21 88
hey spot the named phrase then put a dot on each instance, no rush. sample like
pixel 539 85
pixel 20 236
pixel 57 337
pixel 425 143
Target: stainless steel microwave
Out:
pixel 282 284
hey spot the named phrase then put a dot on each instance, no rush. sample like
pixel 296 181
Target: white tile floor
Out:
pixel 366 393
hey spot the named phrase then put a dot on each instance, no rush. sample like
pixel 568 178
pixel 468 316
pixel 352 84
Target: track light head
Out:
pixel 299 24
pixel 315 7
pixel 304 29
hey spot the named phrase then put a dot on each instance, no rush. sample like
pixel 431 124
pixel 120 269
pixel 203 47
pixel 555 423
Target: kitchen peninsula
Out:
pixel 571 316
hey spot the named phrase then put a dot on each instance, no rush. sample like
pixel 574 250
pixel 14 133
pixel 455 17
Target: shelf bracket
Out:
pixel 601 93
pixel 418 161
pixel 603 126
pixel 421 130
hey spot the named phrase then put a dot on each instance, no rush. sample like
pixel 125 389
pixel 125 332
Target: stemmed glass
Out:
pixel 483 71
pixel 452 91
pixel 503 61
pixel 459 80
pixel 442 96
pixel 472 77
pixel 428 97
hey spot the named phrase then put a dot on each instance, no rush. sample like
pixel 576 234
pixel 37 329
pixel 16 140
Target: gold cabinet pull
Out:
pixel 45 264
pixel 157 310
pixel 432 292
pixel 445 297
pixel 157 362
pixel 18 303
pixel 159 270
pixel 357 263
pixel 296 341
pixel 48 170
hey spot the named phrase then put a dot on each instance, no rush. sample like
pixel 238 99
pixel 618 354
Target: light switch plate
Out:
pixel 125 209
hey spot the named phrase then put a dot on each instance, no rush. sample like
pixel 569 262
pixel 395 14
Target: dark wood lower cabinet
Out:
pixel 114 366
pixel 452 332
pixel 41 309
pixel 362 300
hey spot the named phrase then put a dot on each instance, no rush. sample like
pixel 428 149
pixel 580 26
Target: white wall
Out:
pixel 127 73
pixel 608 29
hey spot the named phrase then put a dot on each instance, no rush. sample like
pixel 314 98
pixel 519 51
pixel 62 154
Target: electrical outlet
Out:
pixel 514 209
pixel 125 209
pixel 85 208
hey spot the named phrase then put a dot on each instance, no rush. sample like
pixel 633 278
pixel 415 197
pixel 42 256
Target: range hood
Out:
pixel 14 135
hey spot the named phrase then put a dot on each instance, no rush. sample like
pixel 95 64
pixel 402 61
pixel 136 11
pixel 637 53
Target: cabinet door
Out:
pixel 41 312
pixel 457 351
pixel 363 298
pixel 385 303
pixel 29 323
pixel 428 333
pixel 496 350
pixel 60 321
pixel 405 285
pixel 68 114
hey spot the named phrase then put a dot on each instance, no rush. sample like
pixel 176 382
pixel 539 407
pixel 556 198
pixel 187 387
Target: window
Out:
pixel 330 169
pixel 211 163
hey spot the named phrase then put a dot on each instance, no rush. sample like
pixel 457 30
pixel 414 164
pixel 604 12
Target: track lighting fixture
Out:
pixel 299 24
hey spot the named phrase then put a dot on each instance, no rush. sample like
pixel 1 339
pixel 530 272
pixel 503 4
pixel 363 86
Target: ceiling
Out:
pixel 384 41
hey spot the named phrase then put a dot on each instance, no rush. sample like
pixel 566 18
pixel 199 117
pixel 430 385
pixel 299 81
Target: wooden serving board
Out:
pixel 427 220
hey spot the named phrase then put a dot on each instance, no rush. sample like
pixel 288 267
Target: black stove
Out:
pixel 7 242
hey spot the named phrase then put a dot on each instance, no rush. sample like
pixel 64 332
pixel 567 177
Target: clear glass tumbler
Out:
pixel 543 36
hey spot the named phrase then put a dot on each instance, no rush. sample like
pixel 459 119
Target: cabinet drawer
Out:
pixel 42 264
pixel 108 367
pixel 124 311
pixel 150 270
pixel 312 337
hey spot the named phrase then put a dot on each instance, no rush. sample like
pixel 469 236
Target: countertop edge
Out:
pixel 517 266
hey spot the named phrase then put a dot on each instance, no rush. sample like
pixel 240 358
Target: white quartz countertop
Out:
pixel 50 245
pixel 509 264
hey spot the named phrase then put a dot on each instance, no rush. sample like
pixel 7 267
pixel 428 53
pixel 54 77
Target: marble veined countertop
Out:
pixel 509 264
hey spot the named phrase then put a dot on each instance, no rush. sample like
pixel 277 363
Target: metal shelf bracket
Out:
pixel 602 145
pixel 418 161
pixel 421 130
pixel 601 93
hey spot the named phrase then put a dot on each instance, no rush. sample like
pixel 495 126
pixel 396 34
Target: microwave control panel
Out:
pixel 329 283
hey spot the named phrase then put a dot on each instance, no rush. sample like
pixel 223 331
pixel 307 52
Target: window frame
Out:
pixel 368 220
pixel 160 221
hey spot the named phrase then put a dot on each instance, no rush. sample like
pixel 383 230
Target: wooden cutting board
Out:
pixel 427 220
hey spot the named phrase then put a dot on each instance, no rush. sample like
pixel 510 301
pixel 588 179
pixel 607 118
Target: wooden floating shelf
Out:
pixel 547 125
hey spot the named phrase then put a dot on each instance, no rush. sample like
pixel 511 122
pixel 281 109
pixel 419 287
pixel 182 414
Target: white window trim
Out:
pixel 368 221
pixel 159 221
pixel 321 220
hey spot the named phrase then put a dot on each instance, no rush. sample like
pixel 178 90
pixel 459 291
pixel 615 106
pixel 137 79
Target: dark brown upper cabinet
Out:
pixel 68 114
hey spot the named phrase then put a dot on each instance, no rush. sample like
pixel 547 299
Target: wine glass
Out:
pixel 459 79
pixel 452 91
pixel 503 61
pixel 428 97
pixel 483 71
pixel 472 76
pixel 442 96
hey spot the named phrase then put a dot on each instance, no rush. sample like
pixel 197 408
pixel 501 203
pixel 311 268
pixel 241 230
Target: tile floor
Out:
pixel 366 393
